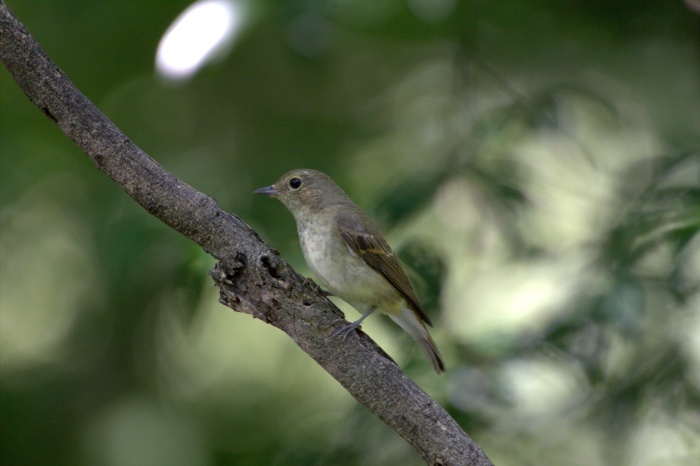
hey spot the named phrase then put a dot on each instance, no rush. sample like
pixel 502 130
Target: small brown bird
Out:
pixel 350 257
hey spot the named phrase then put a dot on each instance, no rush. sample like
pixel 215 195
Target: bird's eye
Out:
pixel 295 183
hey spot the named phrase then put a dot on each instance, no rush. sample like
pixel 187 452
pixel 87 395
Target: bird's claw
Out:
pixel 345 330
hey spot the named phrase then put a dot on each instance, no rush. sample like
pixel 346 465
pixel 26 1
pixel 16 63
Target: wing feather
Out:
pixel 365 240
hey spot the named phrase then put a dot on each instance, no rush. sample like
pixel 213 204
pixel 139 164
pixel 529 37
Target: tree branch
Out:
pixel 251 276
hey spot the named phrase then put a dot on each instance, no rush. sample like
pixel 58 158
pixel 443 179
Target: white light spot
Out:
pixel 201 32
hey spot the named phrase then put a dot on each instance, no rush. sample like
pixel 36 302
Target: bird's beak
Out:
pixel 267 191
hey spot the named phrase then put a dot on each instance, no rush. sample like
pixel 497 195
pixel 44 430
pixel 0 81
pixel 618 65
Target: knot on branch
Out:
pixel 232 285
pixel 254 287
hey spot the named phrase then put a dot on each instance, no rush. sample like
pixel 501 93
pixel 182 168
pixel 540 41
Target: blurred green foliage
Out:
pixel 535 163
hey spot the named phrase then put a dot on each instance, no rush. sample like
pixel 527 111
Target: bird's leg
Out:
pixel 346 329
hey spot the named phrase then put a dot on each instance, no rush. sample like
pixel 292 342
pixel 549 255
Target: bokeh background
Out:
pixel 536 164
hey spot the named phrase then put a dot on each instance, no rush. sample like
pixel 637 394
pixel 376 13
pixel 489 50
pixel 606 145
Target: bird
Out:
pixel 350 257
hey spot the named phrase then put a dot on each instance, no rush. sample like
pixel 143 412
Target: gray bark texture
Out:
pixel 250 274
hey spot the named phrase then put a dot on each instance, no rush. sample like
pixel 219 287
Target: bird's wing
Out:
pixel 365 240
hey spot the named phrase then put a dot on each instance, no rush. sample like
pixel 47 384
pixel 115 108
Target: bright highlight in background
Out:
pixel 197 36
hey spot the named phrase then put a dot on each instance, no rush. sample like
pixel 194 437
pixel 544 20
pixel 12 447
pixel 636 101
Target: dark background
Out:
pixel 535 163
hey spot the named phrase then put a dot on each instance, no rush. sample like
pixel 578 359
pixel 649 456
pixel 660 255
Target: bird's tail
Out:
pixel 412 324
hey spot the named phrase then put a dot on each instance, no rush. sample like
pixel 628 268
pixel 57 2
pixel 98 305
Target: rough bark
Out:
pixel 250 274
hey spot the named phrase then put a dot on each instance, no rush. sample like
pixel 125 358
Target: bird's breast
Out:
pixel 342 271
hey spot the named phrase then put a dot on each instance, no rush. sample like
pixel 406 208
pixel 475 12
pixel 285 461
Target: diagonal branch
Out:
pixel 250 274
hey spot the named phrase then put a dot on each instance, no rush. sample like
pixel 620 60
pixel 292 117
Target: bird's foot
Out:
pixel 332 324
pixel 345 330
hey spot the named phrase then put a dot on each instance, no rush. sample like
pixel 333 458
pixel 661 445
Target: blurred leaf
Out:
pixel 662 212
pixel 409 196
pixel 426 270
